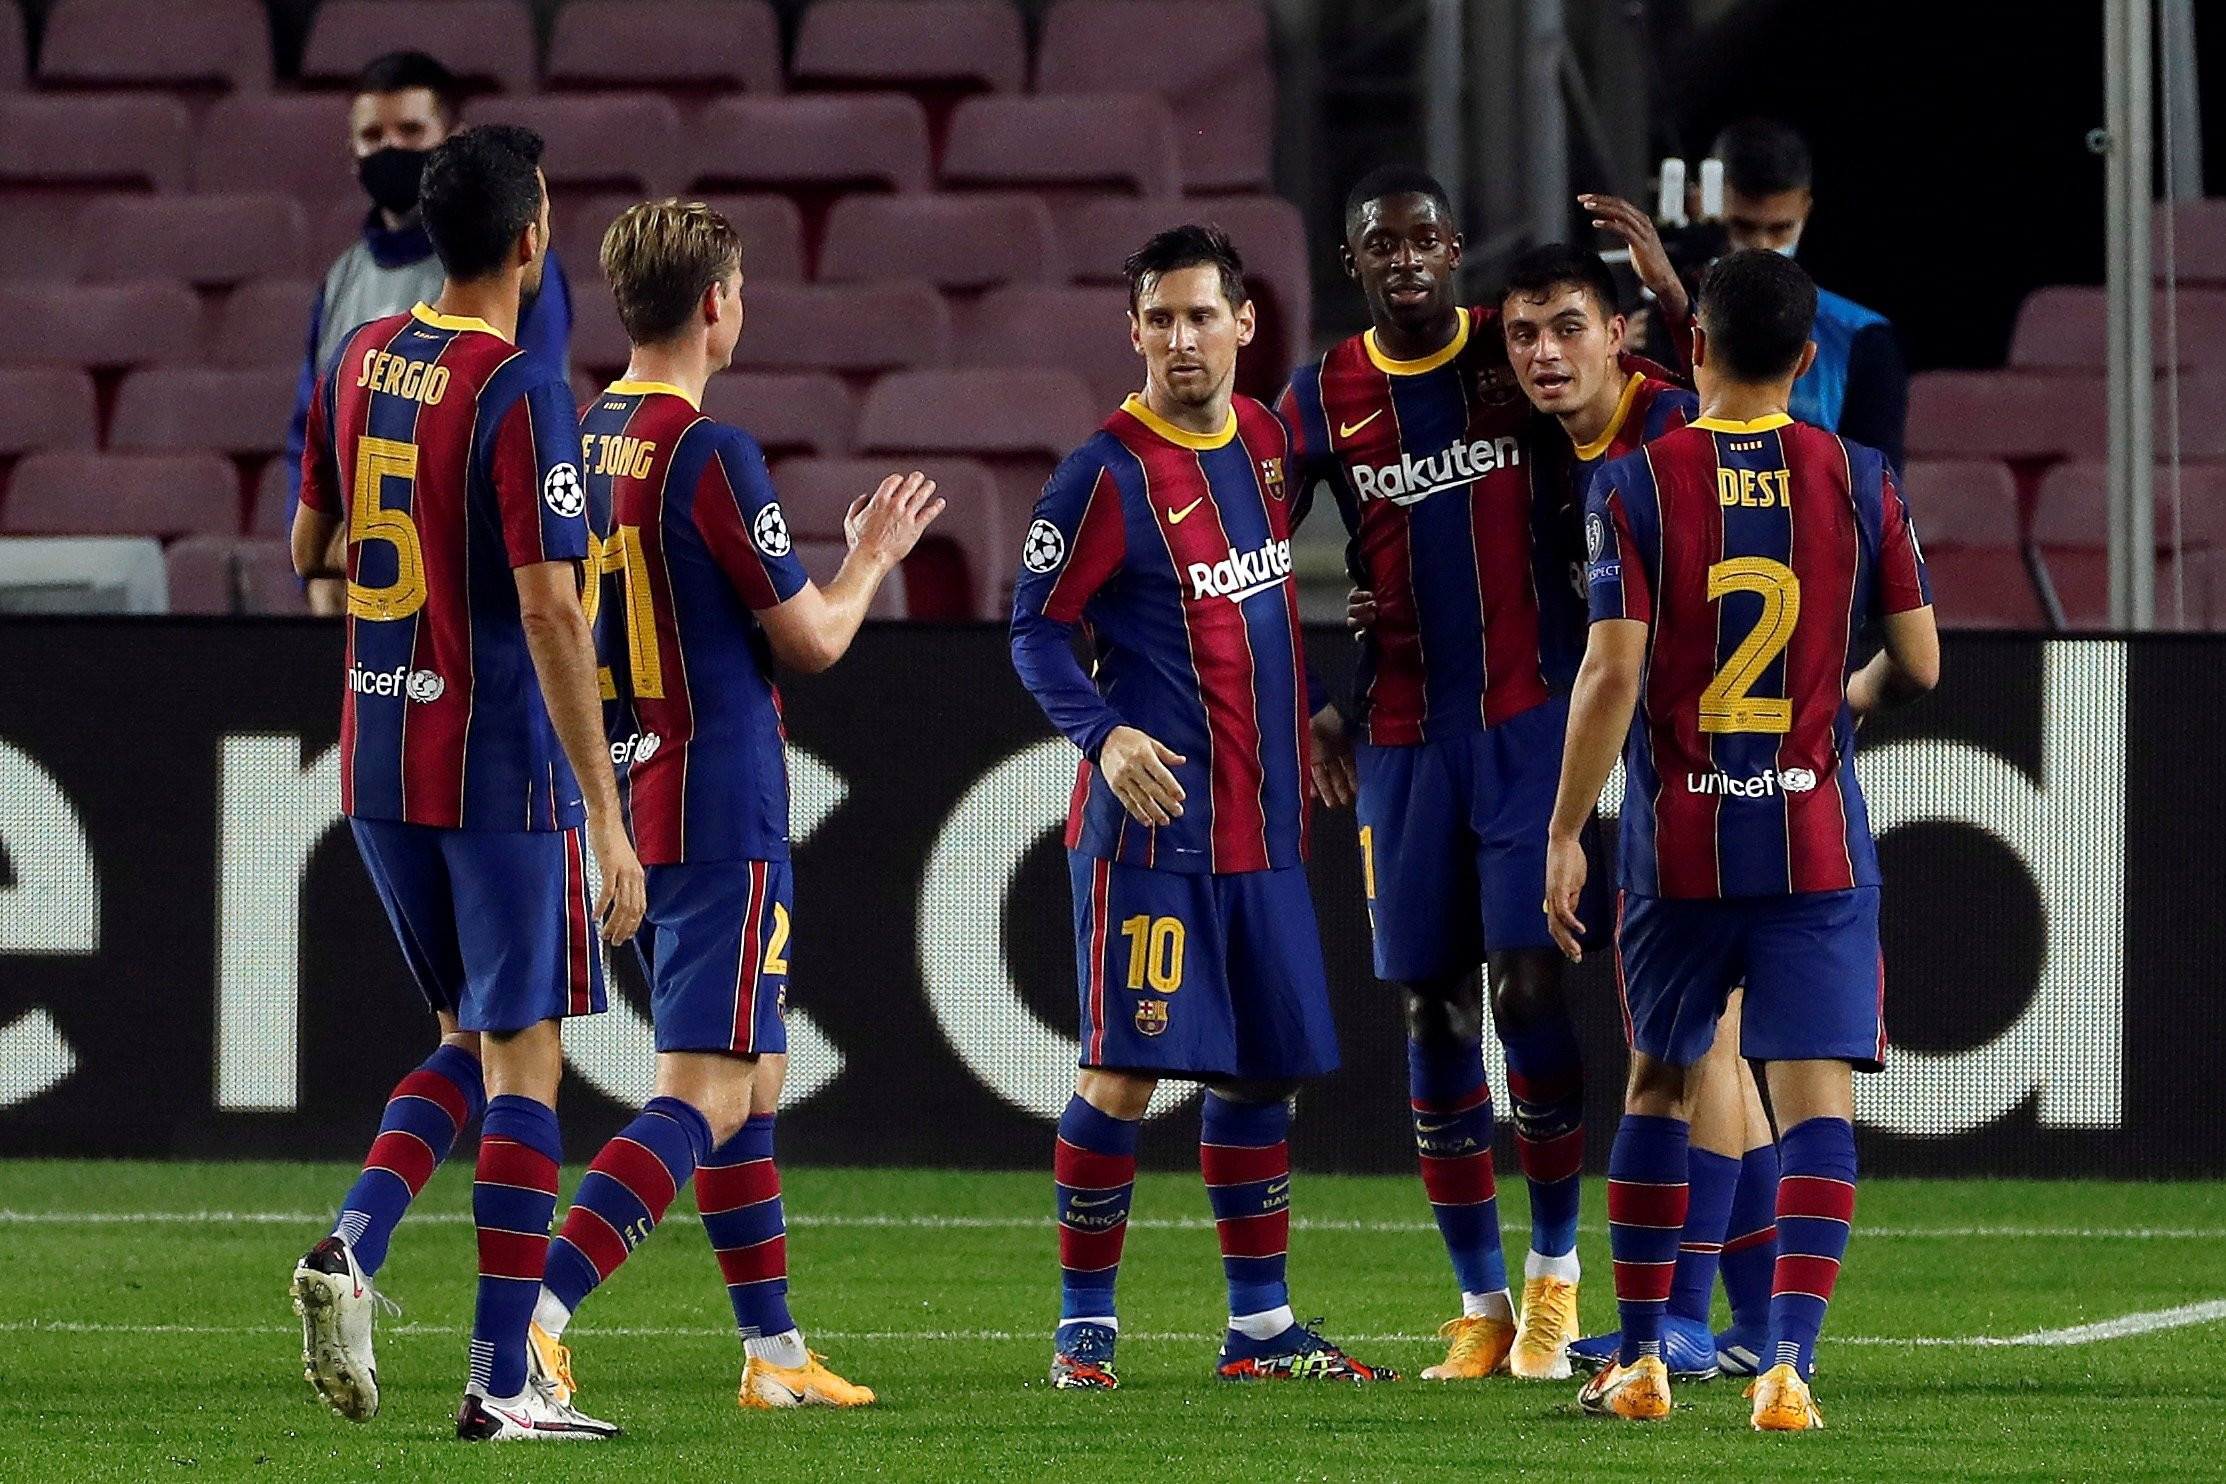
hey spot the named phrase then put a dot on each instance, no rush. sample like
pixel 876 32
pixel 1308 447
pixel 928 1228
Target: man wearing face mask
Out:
pixel 405 104
pixel 1859 386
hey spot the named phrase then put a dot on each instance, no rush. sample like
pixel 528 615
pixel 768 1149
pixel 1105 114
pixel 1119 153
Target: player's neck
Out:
pixel 494 300
pixel 685 367
pixel 1402 344
pixel 1587 423
pixel 1206 418
pixel 1727 401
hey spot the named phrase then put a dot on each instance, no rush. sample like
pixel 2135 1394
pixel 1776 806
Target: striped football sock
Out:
pixel 1750 1260
pixel 738 1190
pixel 1093 1169
pixel 1452 1106
pixel 1713 1178
pixel 1646 1215
pixel 619 1203
pixel 424 1114
pixel 1816 1207
pixel 1245 1154
pixel 1545 1084
pixel 512 1198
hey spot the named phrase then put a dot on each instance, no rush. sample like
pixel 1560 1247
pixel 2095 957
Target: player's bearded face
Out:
pixel 1405 252
pixel 1562 349
pixel 1189 334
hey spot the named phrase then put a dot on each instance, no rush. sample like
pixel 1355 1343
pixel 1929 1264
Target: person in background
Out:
pixel 405 104
pixel 1859 386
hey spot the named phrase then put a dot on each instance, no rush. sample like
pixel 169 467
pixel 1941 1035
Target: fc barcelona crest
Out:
pixel 1271 477
pixel 1151 1017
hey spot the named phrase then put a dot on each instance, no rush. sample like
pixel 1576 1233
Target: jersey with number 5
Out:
pixel 1759 554
pixel 698 546
pixel 451 457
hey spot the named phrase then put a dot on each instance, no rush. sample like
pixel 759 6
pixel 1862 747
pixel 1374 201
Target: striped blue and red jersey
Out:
pixel 1649 407
pixel 698 547
pixel 1172 550
pixel 1759 554
pixel 1428 460
pixel 452 458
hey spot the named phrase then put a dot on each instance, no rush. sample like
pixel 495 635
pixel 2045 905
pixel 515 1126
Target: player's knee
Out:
pixel 1657 1089
pixel 1254 1091
pixel 1527 989
pixel 1445 1011
pixel 1123 1095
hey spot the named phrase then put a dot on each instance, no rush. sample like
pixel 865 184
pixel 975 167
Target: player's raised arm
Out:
pixel 813 627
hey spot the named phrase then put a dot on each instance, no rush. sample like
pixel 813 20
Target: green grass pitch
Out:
pixel 134 1349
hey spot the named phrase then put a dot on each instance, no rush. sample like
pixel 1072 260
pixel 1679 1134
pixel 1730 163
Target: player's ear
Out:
pixel 1700 344
pixel 1135 332
pixel 1347 261
pixel 1618 327
pixel 1453 253
pixel 1248 321
pixel 1808 359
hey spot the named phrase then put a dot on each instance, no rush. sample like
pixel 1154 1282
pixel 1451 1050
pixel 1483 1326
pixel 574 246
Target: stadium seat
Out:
pixel 267 583
pixel 103 494
pixel 481 41
pixel 81 574
pixel 2065 327
pixel 772 233
pixel 871 327
pixel 953 242
pixel 823 559
pixel 208 241
pixel 2071 524
pixel 1084 330
pixel 873 139
pixel 271 515
pixel 2195 234
pixel 1083 141
pixel 599 142
pixel 99 327
pixel 166 43
pixel 912 44
pixel 955 572
pixel 1965 512
pixel 787 412
pixel 1011 411
pixel 2006 414
pixel 599 342
pixel 1209 59
pixel 264 323
pixel 44 407
pixel 293 144
pixel 13 56
pixel 200 569
pixel 191 407
pixel 110 141
pixel 678 45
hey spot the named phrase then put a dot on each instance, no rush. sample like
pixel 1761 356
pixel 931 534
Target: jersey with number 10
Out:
pixel 698 546
pixel 452 457
pixel 1758 553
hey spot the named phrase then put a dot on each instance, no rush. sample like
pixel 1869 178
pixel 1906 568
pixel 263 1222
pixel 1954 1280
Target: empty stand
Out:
pixel 271 516
pixel 787 412
pixel 44 407
pixel 207 241
pixel 267 584
pixel 1210 59
pixel 1966 515
pixel 200 571
pixel 2006 414
pixel 828 141
pixel 187 407
pixel 598 339
pixel 96 494
pixel 772 232
pixel 112 141
pixel 163 43
pixel 955 572
pixel 600 142
pixel 265 323
pixel 913 44
pixel 100 326
pixel 481 41
pixel 295 144
pixel 2190 238
pixel 81 574
pixel 2071 524
pixel 1017 411
pixel 2066 328
pixel 870 327
pixel 14 59
pixel 1084 330
pixel 683 45
pixel 1085 141
pixel 953 242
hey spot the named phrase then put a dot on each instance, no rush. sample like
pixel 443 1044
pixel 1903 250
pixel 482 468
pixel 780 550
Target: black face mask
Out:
pixel 391 175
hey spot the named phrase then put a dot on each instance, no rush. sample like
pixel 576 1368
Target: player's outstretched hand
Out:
pixel 1565 874
pixel 1649 259
pixel 888 523
pixel 625 891
pixel 1136 768
pixel 1360 611
pixel 1335 781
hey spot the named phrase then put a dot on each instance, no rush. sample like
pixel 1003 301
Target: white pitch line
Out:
pixel 930 1222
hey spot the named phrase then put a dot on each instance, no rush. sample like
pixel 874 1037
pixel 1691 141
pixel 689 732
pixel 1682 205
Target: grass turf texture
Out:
pixel 950 1324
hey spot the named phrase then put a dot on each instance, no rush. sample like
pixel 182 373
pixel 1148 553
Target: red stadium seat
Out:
pixel 2066 327
pixel 874 139
pixel 113 141
pixel 602 142
pixel 265 323
pixel 954 242
pixel 823 559
pixel 13 56
pixel 703 45
pixel 44 407
pixel 185 407
pixel 772 233
pixel 2006 414
pixel 293 144
pixel 1094 141
pixel 168 43
pixel 201 574
pixel 208 241
pixel 1965 511
pixel 1084 330
pixel 481 41
pixel 873 327
pixel 1013 411
pixel 267 581
pixel 912 44
pixel 2194 232
pixel 599 342
pixel 270 516
pixel 955 572
pixel 99 494
pixel 99 327
pixel 787 412
pixel 1209 59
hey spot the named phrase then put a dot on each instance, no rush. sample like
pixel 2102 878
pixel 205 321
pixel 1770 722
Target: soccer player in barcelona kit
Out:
pixel 703 591
pixel 1167 537
pixel 1420 430
pixel 1736 567
pixel 451 458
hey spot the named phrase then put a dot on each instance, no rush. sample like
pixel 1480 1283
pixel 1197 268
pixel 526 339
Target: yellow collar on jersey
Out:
pixel 648 388
pixel 1180 437
pixel 1599 445
pixel 440 321
pixel 1430 362
pixel 1762 424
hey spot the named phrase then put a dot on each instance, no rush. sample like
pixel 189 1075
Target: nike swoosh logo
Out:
pixel 1435 1128
pixel 1177 517
pixel 1346 430
pixel 1082 1205
pixel 1277 1187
